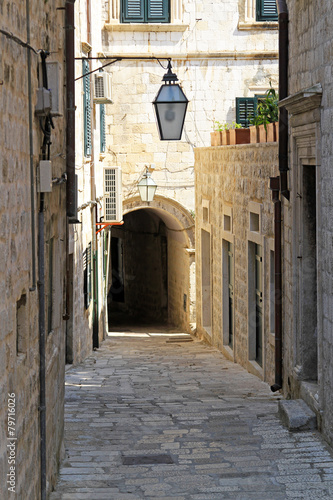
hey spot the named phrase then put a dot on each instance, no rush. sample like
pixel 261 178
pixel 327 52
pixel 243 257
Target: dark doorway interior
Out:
pixel 139 267
pixel 308 264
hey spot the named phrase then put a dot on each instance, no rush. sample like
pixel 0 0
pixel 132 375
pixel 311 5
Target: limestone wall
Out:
pixel 310 35
pixel 233 205
pixel 217 57
pixel 19 305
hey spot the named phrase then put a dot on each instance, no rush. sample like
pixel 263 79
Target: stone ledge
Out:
pixel 297 416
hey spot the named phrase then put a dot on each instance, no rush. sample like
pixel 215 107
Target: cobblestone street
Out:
pixel 159 416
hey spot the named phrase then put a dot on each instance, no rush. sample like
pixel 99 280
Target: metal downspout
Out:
pixel 275 186
pixel 42 341
pixel 283 93
pixel 280 185
pixel 70 109
pixel 71 200
pixel 31 153
pixel 41 297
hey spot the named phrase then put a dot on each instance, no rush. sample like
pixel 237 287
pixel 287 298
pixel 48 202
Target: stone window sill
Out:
pixel 152 27
pixel 258 25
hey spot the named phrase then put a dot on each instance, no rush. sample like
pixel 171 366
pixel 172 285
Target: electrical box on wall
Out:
pixel 44 102
pixel 54 79
pixel 45 176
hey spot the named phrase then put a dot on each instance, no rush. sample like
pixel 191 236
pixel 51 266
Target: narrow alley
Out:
pixel 160 415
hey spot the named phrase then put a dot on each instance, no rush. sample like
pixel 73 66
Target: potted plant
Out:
pixel 265 119
pixel 216 135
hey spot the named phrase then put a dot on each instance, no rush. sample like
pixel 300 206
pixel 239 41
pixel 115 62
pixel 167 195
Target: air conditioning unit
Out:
pixel 113 206
pixel 102 87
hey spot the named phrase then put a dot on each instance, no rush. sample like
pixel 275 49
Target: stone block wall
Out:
pixel 310 61
pixel 233 204
pixel 19 306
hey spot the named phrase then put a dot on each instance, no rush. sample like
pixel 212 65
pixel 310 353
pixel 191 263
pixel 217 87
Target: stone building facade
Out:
pixel 308 214
pixel 32 247
pixel 220 52
pixel 235 253
pixel 86 326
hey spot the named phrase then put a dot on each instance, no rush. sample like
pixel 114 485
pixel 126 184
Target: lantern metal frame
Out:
pixel 164 113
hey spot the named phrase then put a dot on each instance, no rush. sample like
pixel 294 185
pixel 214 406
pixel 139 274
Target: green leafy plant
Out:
pixel 219 126
pixel 267 109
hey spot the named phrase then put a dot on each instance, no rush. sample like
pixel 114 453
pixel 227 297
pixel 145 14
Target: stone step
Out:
pixel 296 415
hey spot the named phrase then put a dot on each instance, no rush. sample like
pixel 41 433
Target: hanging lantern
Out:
pixel 170 107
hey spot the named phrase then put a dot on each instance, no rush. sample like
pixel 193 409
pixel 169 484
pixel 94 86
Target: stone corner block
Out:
pixel 296 415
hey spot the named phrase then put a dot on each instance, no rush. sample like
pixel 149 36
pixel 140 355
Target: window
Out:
pixel 145 11
pixel 228 293
pixel 21 324
pixel 102 128
pixel 245 109
pixel 86 109
pixel 266 10
pixel 87 276
pixel 259 302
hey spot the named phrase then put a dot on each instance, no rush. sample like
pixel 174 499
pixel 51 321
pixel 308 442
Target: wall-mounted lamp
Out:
pixel 147 187
pixel 170 107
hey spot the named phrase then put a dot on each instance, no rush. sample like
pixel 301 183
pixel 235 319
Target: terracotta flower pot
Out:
pixel 240 136
pixel 225 137
pixel 271 132
pixel 254 134
pixel 216 138
pixel 262 133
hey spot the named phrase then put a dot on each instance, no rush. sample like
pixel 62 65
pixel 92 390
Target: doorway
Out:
pixel 307 274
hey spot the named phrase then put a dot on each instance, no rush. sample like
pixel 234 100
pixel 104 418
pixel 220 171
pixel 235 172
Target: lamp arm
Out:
pixel 116 59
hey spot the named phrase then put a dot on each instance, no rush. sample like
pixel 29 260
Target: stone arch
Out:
pixel 175 216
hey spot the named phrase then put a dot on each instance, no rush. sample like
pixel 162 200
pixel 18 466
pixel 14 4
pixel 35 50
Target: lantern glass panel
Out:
pixel 170 108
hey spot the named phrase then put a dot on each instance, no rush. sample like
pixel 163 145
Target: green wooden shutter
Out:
pixel 102 128
pixel 157 11
pixel 245 109
pixel 86 109
pixel 145 11
pixel 267 10
pixel 132 11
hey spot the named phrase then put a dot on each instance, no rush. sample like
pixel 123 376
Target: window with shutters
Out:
pixel 87 276
pixel 245 109
pixel 102 128
pixel 86 109
pixel 145 11
pixel 255 14
pixel 266 10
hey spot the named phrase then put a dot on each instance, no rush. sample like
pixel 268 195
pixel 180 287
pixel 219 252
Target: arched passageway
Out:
pixel 152 276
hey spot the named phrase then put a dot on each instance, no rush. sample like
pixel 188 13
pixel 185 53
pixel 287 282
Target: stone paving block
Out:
pixel 296 415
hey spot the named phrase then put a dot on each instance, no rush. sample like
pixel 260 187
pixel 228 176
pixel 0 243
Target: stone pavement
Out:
pixel 158 416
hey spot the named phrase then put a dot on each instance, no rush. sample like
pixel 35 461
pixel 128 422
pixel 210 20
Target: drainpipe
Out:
pixel 31 151
pixel 283 93
pixel 41 298
pixel 275 187
pixel 280 185
pixel 42 364
pixel 70 109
